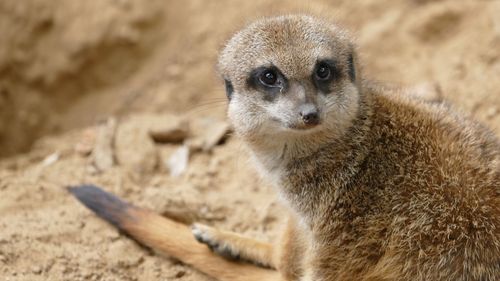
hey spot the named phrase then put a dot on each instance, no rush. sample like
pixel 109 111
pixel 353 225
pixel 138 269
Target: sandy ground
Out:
pixel 65 66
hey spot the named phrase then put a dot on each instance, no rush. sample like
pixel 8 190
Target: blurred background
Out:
pixel 67 66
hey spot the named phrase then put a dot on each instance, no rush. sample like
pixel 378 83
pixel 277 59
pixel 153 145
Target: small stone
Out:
pixel 168 129
pixel 215 133
pixel 491 112
pixel 134 148
pixel 178 161
pixel 83 149
pixel 103 149
pixel 51 159
pixel 208 133
pixel 86 143
pixel 180 274
pixel 195 144
pixel 36 269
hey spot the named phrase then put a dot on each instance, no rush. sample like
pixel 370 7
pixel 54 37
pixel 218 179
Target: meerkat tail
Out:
pixel 167 236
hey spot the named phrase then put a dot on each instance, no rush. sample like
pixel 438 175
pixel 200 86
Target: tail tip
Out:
pixel 104 204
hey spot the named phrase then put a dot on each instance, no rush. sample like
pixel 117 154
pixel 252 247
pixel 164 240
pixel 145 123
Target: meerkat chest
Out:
pixel 269 169
pixel 346 252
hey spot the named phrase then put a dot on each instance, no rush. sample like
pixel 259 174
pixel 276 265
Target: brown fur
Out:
pixel 389 187
pixel 386 187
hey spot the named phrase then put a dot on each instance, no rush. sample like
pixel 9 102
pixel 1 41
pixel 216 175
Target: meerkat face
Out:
pixel 290 75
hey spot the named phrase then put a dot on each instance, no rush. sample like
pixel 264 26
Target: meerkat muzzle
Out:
pixel 309 115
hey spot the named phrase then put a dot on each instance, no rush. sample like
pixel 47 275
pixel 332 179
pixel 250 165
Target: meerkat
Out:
pixel 378 185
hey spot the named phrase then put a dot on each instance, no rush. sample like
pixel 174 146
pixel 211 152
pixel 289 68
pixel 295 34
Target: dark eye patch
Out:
pixel 267 79
pixel 229 89
pixel 351 71
pixel 323 82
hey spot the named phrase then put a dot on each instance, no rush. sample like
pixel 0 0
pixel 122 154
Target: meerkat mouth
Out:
pixel 303 127
pixel 296 127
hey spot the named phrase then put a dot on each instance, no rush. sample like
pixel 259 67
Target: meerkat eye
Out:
pixel 323 71
pixel 268 80
pixel 269 77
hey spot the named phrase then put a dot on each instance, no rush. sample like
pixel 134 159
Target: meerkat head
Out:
pixel 291 77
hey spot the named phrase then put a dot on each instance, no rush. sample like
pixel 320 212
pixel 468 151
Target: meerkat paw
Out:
pixel 212 238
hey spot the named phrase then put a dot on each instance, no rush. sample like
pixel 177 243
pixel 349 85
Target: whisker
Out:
pixel 209 102
pixel 195 111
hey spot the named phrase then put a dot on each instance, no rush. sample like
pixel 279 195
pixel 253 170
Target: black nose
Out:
pixel 310 116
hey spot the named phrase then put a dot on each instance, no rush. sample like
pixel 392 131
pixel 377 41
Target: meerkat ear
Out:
pixel 229 89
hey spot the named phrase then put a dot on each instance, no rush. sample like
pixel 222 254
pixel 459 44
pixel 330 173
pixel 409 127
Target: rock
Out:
pixel 209 133
pixel 86 144
pixel 103 150
pixel 177 162
pixel 195 144
pixel 51 159
pixel 133 146
pixel 215 133
pixel 491 112
pixel 36 269
pixel 180 274
pixel 168 128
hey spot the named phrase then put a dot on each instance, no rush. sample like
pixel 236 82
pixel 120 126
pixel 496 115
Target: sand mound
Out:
pixel 67 66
